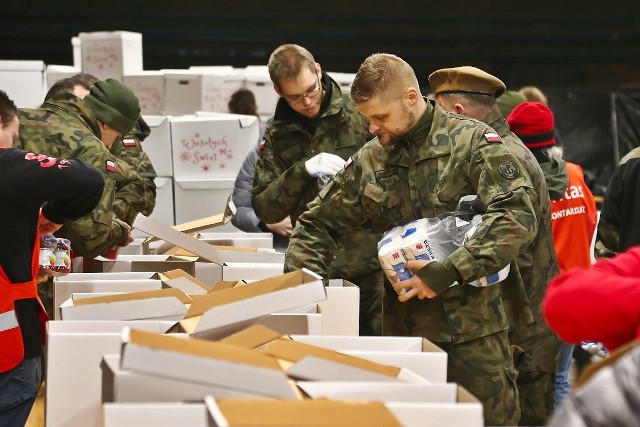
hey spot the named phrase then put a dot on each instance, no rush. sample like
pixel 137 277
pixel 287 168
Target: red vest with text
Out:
pixel 573 220
pixel 11 344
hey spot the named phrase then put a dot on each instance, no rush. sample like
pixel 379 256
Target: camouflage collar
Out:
pixel 68 103
pixel 497 122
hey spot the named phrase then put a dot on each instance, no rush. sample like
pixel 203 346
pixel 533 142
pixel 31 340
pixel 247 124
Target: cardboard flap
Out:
pixel 202 223
pixel 225 284
pixel 295 352
pixel 309 413
pixel 176 237
pixel 200 348
pixel 239 293
pixel 131 296
pixel 252 337
pixel 182 280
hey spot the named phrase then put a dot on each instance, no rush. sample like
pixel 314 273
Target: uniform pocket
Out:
pixel 381 206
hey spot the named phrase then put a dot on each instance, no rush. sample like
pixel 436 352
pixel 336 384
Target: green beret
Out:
pixel 113 103
pixel 509 100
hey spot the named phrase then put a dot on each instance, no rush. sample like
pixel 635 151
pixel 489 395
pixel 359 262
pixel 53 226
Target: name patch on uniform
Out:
pixel 509 169
pixel 129 142
pixel 492 137
pixel 111 166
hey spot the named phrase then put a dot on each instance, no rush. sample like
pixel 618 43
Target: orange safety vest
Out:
pixel 573 221
pixel 11 345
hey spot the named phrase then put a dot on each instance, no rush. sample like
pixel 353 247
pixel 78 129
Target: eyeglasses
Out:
pixel 298 99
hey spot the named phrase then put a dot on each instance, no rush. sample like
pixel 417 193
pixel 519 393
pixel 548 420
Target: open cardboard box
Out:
pixel 313 363
pixel 182 280
pixel 162 304
pixel 205 362
pixel 122 275
pixel 273 413
pixel 119 385
pixel 213 265
pixel 382 392
pixel 224 312
pixel 133 263
pixel 253 240
pixel 415 353
pixel 63 289
pixel 168 414
pixel 73 352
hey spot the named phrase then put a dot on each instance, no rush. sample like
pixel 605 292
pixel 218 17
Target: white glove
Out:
pixel 324 164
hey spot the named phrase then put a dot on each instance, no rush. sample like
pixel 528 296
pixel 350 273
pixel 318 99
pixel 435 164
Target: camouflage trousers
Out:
pixel 371 294
pixel 537 392
pixel 484 366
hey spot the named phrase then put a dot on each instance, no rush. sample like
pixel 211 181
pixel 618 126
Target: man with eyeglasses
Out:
pixel 315 129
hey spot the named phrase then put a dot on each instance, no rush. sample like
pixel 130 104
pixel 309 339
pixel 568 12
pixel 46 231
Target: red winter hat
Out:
pixel 533 123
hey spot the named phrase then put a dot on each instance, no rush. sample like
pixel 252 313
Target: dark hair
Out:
pixel 287 61
pixel 85 80
pixel 62 85
pixel 8 109
pixel 243 101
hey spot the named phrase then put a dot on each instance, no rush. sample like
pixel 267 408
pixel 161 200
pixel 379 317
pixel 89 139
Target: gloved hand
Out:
pixel 324 164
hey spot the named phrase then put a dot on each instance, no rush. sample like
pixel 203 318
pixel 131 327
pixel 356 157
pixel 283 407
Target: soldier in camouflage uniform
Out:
pixel 65 126
pixel 314 130
pixel 129 199
pixel 420 165
pixel 619 228
pixel 473 92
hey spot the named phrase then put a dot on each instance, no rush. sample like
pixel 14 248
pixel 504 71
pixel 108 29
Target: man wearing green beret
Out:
pixel 473 92
pixel 66 126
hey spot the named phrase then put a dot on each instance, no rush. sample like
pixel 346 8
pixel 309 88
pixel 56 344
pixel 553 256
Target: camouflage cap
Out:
pixel 509 100
pixel 115 104
pixel 465 80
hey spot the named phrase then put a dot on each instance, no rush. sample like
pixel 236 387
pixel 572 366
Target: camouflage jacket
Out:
pixel 140 196
pixel 64 127
pixel 538 264
pixel 443 158
pixel 618 228
pixel 283 187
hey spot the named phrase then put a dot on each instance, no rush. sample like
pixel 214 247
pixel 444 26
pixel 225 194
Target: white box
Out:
pixel 252 240
pixel 158 144
pixel 259 82
pixel 382 392
pixel 119 385
pixel 131 263
pixel 163 211
pixel 156 415
pixel 189 91
pixel 205 362
pixel 415 353
pixel 211 147
pixel 341 310
pixel 62 289
pixel 162 304
pixel 24 82
pixel 127 275
pixel 73 381
pixel 59 72
pixel 344 80
pixel 77 52
pixel 201 198
pixel 221 313
pixel 149 88
pixel 113 54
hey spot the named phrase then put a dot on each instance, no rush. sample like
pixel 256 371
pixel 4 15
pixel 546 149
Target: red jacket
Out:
pixel 600 304
pixel 573 220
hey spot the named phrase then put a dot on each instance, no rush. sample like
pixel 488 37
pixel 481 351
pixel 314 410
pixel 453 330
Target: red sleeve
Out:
pixel 597 304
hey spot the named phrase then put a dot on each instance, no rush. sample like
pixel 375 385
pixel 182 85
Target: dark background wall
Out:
pixel 546 43
pixel 578 52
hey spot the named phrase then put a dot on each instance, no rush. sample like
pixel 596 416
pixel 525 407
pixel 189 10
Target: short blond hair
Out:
pixel 287 61
pixel 534 94
pixel 382 73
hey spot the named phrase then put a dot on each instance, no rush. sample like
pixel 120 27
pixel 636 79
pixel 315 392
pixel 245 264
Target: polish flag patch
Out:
pixel 348 163
pixel 111 166
pixel 492 137
pixel 129 142
pixel 261 145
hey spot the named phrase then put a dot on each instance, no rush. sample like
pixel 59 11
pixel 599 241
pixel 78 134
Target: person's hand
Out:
pixel 45 226
pixel 126 242
pixel 283 227
pixel 413 286
pixel 324 164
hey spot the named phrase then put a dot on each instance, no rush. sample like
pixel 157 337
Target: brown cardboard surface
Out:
pixel 294 352
pixel 252 337
pixel 309 413
pixel 239 293
pixel 202 348
pixel 178 273
pixel 161 293
pixel 224 284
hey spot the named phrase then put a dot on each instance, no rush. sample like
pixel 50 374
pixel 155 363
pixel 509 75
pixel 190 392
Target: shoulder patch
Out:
pixel 110 165
pixel 492 137
pixel 348 163
pixel 261 144
pixel 129 142
pixel 509 169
